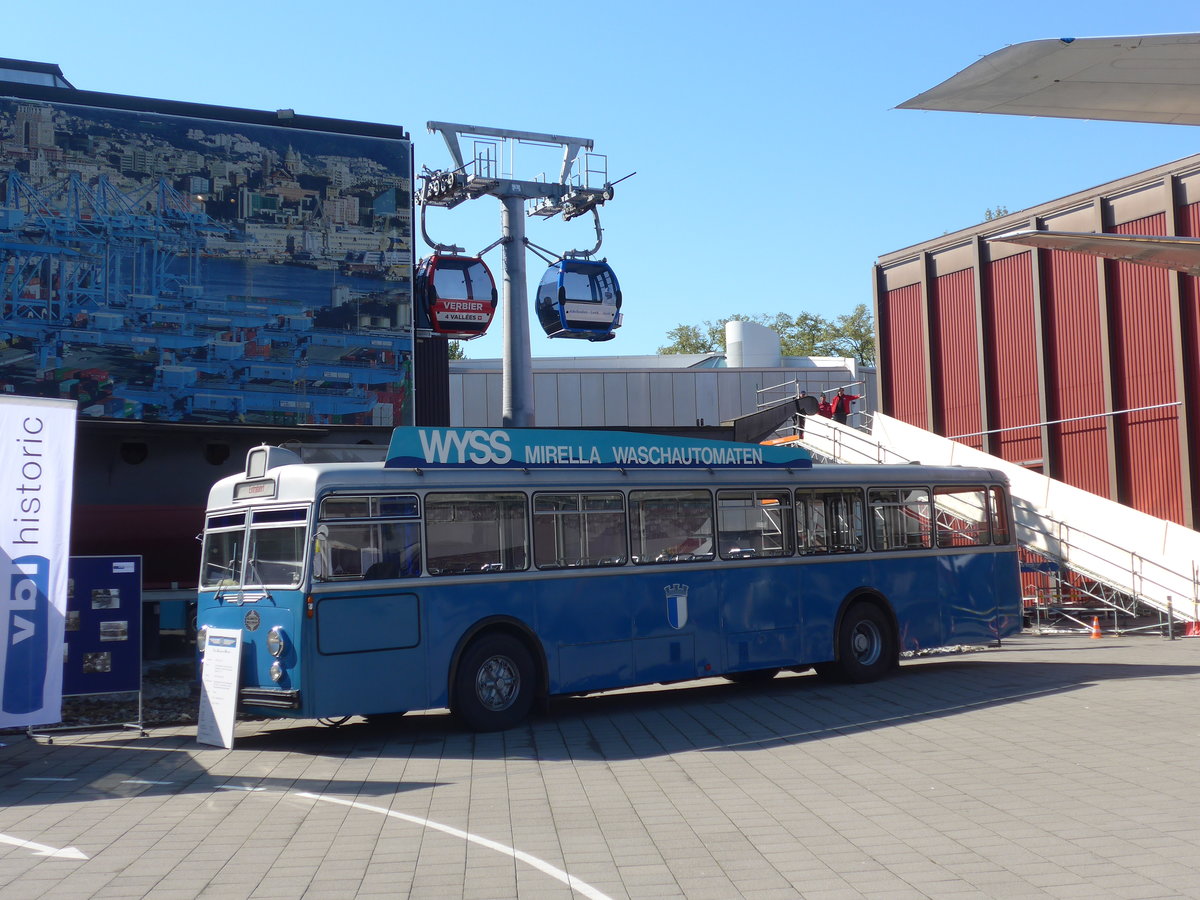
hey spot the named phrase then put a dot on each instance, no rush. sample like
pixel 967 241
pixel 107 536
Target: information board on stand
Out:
pixel 102 648
pixel 219 687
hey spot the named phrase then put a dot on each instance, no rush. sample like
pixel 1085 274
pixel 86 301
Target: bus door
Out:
pixel 366 651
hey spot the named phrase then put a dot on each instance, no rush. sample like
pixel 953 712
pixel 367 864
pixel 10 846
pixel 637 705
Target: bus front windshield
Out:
pixel 272 553
pixel 222 558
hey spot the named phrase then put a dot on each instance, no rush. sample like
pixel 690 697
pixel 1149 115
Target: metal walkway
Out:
pixel 1098 556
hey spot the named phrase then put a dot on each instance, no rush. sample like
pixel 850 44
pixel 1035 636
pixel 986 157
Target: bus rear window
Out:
pixel 469 534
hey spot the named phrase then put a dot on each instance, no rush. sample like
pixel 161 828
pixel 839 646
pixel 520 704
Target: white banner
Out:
pixel 37 460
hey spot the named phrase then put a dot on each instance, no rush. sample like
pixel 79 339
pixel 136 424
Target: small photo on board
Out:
pixel 106 598
pixel 70 588
pixel 72 620
pixel 114 631
pixel 97 662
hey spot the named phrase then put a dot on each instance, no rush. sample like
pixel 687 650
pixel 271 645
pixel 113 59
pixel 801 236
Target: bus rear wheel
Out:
pixel 494 684
pixel 866 646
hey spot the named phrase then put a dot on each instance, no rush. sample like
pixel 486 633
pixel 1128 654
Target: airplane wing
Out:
pixel 1180 254
pixel 1143 78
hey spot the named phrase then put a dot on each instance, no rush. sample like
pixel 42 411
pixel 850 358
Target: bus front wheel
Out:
pixel 494 684
pixel 866 646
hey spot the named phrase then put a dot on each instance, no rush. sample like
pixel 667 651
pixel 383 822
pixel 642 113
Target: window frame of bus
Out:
pixel 1000 518
pixel 583 536
pixel 371 513
pixel 515 499
pixel 947 532
pixel 276 518
pixel 755 496
pixel 215 526
pixel 902 505
pixel 637 519
pixel 806 500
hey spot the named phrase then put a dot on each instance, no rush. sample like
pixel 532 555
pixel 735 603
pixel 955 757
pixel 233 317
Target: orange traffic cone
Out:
pixel 1096 628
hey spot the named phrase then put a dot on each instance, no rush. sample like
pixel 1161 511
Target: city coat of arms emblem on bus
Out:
pixel 677 611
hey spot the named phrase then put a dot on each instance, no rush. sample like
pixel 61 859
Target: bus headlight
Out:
pixel 276 643
pixel 276 671
pixel 202 638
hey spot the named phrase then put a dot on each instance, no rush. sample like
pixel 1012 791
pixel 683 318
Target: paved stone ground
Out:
pixel 1056 766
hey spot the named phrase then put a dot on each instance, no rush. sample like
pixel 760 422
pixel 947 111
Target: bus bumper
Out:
pixel 270 698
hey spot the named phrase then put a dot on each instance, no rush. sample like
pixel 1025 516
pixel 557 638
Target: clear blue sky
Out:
pixel 771 167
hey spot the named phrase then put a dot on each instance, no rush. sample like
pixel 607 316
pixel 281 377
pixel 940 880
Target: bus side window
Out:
pixel 829 522
pixel 670 526
pixel 961 516
pixel 900 518
pixel 372 536
pixel 399 551
pixel 473 533
pixel 754 524
pixel 577 530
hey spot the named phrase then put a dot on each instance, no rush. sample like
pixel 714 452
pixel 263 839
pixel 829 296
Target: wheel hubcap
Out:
pixel 497 683
pixel 866 643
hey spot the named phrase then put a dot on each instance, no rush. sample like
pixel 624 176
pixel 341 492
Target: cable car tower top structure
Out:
pixel 481 176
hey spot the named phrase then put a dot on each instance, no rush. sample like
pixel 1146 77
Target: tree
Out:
pixel 805 334
pixel 856 335
pixel 996 213
pixel 455 349
pixel 691 339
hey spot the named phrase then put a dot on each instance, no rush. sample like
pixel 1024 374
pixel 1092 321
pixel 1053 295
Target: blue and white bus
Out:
pixel 484 570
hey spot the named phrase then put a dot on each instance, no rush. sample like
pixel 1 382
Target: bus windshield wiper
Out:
pixel 252 566
pixel 224 582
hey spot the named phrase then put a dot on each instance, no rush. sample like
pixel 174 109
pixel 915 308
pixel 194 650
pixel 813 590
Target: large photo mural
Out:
pixel 176 268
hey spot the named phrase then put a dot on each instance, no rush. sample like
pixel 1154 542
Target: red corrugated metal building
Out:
pixel 995 344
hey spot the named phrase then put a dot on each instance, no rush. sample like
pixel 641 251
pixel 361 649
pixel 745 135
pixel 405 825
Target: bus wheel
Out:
pixel 751 676
pixel 494 686
pixel 866 646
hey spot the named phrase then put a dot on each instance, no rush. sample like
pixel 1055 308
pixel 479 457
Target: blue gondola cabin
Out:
pixel 579 298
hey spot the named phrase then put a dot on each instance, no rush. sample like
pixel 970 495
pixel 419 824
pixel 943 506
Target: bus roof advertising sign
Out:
pixel 544 448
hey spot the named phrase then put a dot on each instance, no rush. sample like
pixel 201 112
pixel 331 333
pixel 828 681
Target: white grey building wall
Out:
pixel 645 397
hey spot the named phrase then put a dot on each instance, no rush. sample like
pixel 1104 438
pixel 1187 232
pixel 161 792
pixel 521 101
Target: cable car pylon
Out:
pixel 481 175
